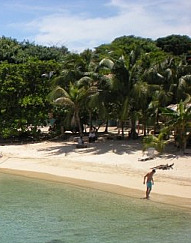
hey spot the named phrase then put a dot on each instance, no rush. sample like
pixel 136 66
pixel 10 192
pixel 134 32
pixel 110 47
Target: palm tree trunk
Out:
pixel 90 119
pixel 144 126
pixel 79 124
pixel 122 128
pixel 133 133
pixel 106 127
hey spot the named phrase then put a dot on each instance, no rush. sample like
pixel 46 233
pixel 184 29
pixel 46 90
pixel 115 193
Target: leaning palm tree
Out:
pixel 74 99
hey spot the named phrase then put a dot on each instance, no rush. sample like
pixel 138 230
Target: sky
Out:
pixel 83 24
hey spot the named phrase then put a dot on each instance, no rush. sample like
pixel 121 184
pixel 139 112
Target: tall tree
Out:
pixel 23 91
pixel 179 122
pixel 74 98
pixel 119 87
pixel 176 44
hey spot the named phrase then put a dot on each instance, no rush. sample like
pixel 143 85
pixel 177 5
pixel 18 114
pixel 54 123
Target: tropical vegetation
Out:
pixel 131 80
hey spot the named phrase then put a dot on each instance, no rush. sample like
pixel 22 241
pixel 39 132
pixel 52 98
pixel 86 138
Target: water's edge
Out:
pixel 34 210
pixel 179 202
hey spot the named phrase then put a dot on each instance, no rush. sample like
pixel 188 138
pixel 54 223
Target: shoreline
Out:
pixel 100 167
pixel 178 202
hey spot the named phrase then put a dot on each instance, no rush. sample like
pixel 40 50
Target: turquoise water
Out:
pixel 33 211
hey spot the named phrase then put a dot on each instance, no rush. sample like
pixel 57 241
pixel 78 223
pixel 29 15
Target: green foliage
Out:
pixel 156 142
pixel 123 46
pixel 23 92
pixel 130 78
pixel 176 44
pixel 179 121
pixel 13 51
pixel 73 100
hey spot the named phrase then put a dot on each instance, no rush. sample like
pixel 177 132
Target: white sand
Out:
pixel 106 165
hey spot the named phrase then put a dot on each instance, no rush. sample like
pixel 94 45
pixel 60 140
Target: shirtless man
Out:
pixel 150 182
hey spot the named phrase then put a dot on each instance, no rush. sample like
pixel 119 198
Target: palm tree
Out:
pixel 118 87
pixel 180 123
pixel 137 89
pixel 141 90
pixel 156 142
pixel 161 79
pixel 184 88
pixel 78 75
pixel 74 99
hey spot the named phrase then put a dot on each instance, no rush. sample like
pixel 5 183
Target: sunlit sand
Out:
pixel 110 165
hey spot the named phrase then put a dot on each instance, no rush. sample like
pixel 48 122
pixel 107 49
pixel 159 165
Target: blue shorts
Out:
pixel 149 185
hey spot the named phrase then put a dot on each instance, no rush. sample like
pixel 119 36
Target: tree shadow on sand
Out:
pixel 119 147
pixel 100 147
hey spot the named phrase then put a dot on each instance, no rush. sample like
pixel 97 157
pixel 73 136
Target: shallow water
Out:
pixel 33 211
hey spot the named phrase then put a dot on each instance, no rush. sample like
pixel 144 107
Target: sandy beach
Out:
pixel 109 165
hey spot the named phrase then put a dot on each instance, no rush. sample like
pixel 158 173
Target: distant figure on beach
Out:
pixel 80 141
pixel 92 136
pixel 150 182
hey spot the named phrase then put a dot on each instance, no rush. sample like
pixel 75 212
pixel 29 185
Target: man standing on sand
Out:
pixel 150 182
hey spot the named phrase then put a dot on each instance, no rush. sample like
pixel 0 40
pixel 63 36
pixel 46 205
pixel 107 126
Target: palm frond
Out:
pixel 85 81
pixel 58 92
pixel 107 63
pixel 64 101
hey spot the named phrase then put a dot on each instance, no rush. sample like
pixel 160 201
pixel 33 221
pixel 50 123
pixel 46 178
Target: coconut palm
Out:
pixel 179 122
pixel 141 90
pixel 161 79
pixel 126 88
pixel 74 99
pixel 78 74
pixel 184 88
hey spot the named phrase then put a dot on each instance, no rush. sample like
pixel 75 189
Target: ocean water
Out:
pixel 37 211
